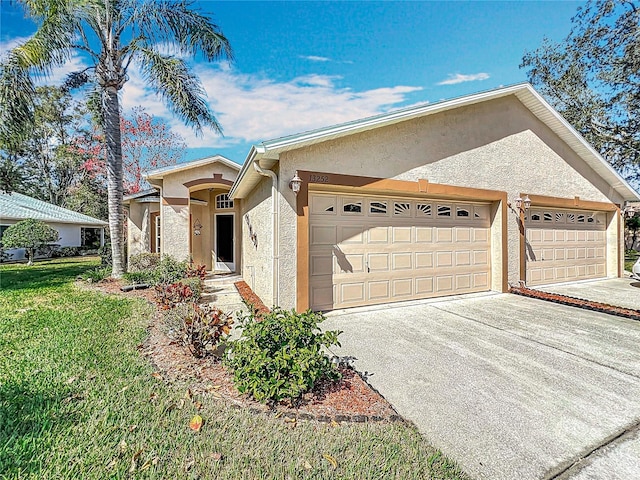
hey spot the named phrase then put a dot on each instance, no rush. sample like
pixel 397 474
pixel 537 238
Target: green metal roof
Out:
pixel 15 206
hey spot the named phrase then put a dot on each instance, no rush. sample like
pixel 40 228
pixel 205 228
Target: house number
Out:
pixel 318 178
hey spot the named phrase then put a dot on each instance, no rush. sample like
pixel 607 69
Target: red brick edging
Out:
pixel 251 299
pixel 577 302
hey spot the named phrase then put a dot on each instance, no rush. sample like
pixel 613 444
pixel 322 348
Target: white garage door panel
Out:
pixel 395 249
pixel 565 245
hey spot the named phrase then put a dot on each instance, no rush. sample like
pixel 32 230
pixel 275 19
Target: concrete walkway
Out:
pixel 509 387
pixel 621 292
pixel 219 290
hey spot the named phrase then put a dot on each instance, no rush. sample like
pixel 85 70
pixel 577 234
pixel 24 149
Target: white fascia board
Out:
pixel 161 172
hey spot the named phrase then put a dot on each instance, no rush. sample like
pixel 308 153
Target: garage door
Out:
pixel 565 245
pixel 369 250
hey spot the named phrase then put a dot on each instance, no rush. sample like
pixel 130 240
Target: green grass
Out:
pixel 78 401
pixel 629 260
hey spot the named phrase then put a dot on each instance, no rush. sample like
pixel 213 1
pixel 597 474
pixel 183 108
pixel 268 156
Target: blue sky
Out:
pixel 305 65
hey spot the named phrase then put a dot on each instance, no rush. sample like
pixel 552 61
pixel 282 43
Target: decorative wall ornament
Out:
pixel 252 235
pixel 197 227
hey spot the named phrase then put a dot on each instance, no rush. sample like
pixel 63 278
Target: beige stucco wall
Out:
pixel 497 145
pixel 179 214
pixel 175 230
pixel 257 265
pixel 139 226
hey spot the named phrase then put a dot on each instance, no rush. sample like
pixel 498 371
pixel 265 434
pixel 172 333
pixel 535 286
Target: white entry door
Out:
pixel 224 244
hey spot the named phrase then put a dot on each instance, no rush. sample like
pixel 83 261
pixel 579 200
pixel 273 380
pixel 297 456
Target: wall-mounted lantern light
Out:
pixel 521 204
pixel 295 183
pixel 197 227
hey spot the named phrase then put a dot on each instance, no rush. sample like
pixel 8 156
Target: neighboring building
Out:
pixel 75 229
pixel 415 203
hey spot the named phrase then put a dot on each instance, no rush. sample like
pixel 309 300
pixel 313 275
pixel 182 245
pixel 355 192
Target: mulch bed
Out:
pixel 350 399
pixel 577 302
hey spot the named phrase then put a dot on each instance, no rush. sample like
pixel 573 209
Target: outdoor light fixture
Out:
pixel 522 204
pixel 197 227
pixel 295 183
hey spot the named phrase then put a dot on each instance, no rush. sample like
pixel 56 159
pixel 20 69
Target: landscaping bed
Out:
pixel 350 399
pixel 78 400
pixel 577 302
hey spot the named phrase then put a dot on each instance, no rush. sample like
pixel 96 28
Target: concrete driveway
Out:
pixel 509 387
pixel 621 292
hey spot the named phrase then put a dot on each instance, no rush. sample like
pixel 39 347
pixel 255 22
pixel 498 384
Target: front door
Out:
pixel 225 260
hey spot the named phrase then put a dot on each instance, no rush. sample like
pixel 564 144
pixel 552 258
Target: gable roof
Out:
pixel 201 162
pixel 151 194
pixel 270 150
pixel 15 206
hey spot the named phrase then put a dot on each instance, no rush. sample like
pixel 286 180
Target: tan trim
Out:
pixel 302 225
pixel 215 180
pixel 505 244
pixel 175 201
pixel 558 202
pixel 154 234
pixel 319 181
pixel 523 248
pixel 621 245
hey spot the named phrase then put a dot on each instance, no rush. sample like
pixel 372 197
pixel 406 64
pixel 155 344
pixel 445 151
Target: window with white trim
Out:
pixel 223 201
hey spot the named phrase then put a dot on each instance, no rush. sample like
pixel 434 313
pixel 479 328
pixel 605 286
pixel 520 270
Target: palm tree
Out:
pixel 114 34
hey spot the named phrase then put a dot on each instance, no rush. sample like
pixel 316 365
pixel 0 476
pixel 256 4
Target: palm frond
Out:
pixel 180 89
pixel 16 102
pixel 177 22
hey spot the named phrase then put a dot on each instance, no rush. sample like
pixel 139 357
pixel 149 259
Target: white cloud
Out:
pixel 460 78
pixel 10 44
pixel 315 58
pixel 251 108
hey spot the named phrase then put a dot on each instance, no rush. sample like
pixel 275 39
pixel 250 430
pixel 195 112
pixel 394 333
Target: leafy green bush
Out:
pixel 143 262
pixel 170 270
pixel 150 268
pixel 137 278
pixel 96 274
pixel 105 255
pixel 66 252
pixel 282 356
pixel 4 256
pixel 30 234
pixel 203 328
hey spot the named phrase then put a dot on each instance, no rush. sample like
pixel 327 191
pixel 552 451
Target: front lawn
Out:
pixel 629 260
pixel 78 401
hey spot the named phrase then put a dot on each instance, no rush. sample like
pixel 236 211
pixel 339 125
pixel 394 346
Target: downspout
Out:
pixel 275 210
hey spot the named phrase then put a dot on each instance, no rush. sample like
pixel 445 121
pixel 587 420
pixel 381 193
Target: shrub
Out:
pixel 195 284
pixel 96 274
pixel 30 234
pixel 105 255
pixel 170 270
pixel 137 278
pixel 199 271
pixel 4 256
pixel 203 328
pixel 170 295
pixel 66 252
pixel 143 261
pixel 282 356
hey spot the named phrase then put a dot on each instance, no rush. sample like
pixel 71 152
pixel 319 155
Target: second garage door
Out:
pixel 565 245
pixel 370 250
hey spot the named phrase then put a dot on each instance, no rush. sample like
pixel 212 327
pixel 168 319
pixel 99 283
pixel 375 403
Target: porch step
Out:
pixel 219 290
